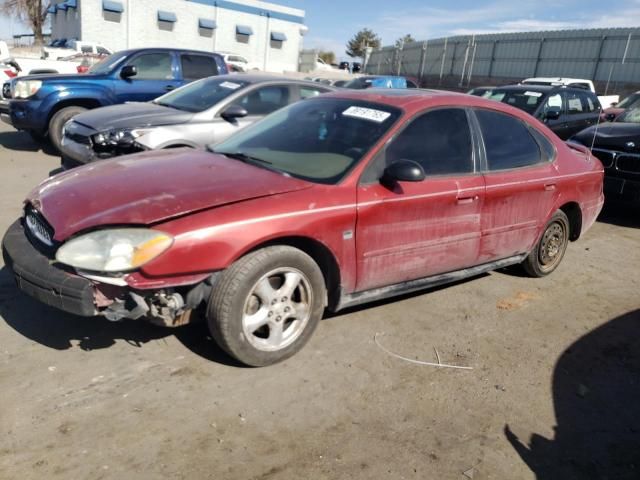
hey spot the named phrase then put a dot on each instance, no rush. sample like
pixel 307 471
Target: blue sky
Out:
pixel 333 22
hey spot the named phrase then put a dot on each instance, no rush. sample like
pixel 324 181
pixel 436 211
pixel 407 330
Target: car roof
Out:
pixel 265 78
pixel 165 49
pixel 413 99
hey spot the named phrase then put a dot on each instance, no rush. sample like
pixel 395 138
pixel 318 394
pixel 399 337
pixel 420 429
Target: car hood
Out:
pixel 615 134
pixel 132 115
pixel 151 187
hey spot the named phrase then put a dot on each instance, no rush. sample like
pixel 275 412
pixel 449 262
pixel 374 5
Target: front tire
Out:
pixel 266 306
pixel 548 252
pixel 58 120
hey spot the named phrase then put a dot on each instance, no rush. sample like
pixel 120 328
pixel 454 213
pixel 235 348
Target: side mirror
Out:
pixel 234 111
pixel 128 71
pixel 404 171
pixel 552 114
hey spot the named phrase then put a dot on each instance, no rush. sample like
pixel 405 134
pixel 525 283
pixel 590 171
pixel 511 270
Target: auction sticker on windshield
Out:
pixel 370 114
pixel 230 85
pixel 533 94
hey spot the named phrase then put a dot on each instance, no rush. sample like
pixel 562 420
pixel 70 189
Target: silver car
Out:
pixel 201 113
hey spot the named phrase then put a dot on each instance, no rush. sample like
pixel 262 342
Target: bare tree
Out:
pixel 32 12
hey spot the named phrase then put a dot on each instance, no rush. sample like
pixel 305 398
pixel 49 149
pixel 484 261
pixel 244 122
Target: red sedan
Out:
pixel 331 202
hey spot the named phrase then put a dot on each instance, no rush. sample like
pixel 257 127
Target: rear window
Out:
pixel 195 67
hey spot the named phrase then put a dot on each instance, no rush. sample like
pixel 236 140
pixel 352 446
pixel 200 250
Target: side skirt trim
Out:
pixel 358 298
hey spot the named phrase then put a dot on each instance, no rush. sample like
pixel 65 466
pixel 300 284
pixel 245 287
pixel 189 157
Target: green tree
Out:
pixel 360 41
pixel 402 41
pixel 32 12
pixel 327 57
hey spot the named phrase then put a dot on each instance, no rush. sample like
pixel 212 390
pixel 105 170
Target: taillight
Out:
pixel 82 68
pixel 10 73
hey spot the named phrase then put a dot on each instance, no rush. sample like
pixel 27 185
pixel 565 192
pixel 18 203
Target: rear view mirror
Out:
pixel 234 111
pixel 552 114
pixel 128 71
pixel 404 171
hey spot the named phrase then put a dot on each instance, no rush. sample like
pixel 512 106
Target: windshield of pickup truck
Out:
pixel 317 139
pixel 108 64
pixel 201 95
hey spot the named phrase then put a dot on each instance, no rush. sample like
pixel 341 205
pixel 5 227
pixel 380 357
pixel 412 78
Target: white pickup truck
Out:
pixel 72 47
pixel 605 100
pixel 32 66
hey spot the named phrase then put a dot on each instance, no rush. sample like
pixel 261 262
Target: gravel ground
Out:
pixel 553 391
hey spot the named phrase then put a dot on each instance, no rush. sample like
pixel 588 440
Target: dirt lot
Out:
pixel 553 393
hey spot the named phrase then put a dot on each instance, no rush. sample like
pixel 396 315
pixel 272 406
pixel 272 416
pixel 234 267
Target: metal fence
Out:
pixel 603 55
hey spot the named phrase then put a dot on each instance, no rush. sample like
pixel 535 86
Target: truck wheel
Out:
pixel 265 307
pixel 548 252
pixel 58 120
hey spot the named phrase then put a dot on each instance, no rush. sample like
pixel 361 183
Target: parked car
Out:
pixel 632 101
pixel 617 145
pixel 72 47
pixel 565 110
pixel 605 100
pixel 344 66
pixel 43 104
pixel 23 65
pixel 378 81
pixel 330 202
pixel 356 67
pixel 238 63
pixel 203 112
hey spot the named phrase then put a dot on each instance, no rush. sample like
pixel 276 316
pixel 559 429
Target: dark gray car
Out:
pixel 565 110
pixel 201 113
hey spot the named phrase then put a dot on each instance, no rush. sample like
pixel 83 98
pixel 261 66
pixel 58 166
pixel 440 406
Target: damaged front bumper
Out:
pixel 89 295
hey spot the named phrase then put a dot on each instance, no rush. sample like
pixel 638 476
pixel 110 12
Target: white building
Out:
pixel 269 36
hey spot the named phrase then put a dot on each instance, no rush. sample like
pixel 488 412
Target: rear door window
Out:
pixel 507 141
pixel 574 103
pixel 195 67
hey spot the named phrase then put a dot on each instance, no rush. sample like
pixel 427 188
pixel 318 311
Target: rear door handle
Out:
pixel 466 200
pixel 549 187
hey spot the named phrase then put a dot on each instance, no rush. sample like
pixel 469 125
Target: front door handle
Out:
pixel 466 200
pixel 549 187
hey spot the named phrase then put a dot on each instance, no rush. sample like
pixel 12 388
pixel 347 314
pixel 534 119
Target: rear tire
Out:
pixel 58 120
pixel 266 306
pixel 548 252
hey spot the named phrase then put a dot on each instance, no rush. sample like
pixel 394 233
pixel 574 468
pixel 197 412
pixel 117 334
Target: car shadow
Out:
pixel 619 213
pixel 62 331
pixel 22 141
pixel 596 392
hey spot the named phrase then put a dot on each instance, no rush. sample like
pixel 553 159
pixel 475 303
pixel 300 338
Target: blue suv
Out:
pixel 42 104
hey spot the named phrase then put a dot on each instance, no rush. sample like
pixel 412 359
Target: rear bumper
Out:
pixel 36 277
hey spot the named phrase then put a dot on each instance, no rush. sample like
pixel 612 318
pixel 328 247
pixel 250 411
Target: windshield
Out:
pixel 524 100
pixel 317 139
pixel 201 95
pixel 108 64
pixel 631 101
pixel 629 116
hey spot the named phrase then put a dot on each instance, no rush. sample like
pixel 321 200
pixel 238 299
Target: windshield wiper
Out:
pixel 243 157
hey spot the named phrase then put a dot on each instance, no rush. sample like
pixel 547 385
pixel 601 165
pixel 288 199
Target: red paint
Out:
pixel 218 209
